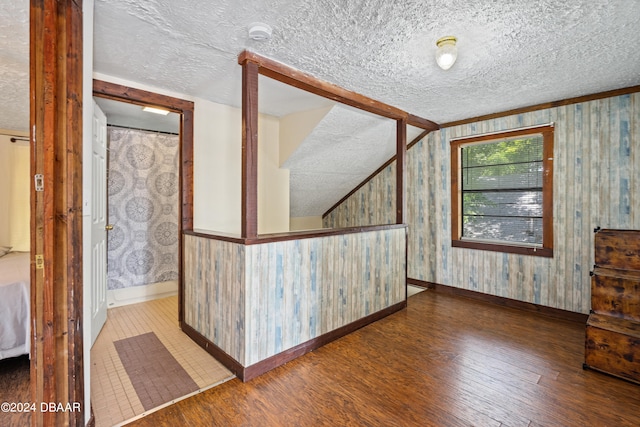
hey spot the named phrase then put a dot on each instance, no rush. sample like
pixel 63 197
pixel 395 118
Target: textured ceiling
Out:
pixel 14 65
pixel 341 152
pixel 511 54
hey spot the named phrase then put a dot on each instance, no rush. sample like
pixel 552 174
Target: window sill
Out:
pixel 512 249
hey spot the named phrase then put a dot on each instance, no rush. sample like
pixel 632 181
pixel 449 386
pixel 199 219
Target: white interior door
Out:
pixel 98 223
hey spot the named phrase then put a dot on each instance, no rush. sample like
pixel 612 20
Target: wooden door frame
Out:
pixel 56 69
pixel 117 92
pixel 56 139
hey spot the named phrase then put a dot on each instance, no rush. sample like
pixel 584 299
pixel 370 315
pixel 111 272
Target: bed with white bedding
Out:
pixel 14 304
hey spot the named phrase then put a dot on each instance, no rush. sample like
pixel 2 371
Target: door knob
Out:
pixel 108 227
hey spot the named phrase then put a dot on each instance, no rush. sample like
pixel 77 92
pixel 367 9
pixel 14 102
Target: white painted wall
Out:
pixel 305 223
pixel 14 191
pixel 217 166
pixel 217 155
pixel 217 171
pixel 19 200
pixel 295 127
pixel 4 189
pixel 273 182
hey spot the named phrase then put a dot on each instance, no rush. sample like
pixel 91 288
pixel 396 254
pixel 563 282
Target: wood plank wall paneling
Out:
pixel 373 204
pixel 214 292
pixel 256 301
pixel 596 183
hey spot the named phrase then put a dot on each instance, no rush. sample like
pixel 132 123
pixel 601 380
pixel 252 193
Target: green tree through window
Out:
pixel 499 186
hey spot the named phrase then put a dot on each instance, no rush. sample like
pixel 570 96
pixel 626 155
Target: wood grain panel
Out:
pixel 614 353
pixel 401 171
pixel 357 209
pixel 257 301
pixel 613 329
pixel 249 220
pixel 616 295
pixel 556 313
pixel 444 361
pixel 596 178
pixel 56 212
pixel 291 76
pixel 360 273
pixel 214 292
pixel 618 249
pixel 15 380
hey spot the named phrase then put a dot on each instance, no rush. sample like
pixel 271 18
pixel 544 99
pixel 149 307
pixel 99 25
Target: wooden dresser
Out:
pixel 612 342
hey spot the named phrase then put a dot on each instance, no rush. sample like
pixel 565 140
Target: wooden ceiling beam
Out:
pixel 422 123
pixel 296 78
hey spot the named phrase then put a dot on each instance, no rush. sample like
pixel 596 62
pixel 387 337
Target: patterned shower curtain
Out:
pixel 143 202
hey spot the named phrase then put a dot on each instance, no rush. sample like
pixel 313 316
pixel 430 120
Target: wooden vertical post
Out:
pixel 401 159
pixel 56 218
pixel 249 149
pixel 186 200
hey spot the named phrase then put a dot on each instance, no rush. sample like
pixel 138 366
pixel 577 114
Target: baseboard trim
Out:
pixel 306 347
pixel 220 355
pixel 250 372
pixel 92 418
pixel 555 313
pixel 137 294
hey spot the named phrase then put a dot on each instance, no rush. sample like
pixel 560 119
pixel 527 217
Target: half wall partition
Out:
pixel 258 301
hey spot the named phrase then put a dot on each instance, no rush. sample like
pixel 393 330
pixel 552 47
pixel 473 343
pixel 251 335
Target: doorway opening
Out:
pixel 142 203
pixel 15 318
pixel 184 110
pixel 139 337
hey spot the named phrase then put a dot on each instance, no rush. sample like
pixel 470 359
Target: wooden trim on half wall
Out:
pixel 292 235
pixel 185 108
pixel 556 313
pixel 57 373
pixel 248 373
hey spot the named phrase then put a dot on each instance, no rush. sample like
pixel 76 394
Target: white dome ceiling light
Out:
pixel 259 31
pixel 447 52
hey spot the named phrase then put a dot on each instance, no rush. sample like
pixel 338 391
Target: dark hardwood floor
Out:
pixel 14 388
pixel 444 361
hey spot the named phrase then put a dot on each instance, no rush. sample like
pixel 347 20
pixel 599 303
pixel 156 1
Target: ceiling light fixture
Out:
pixel 259 31
pixel 155 110
pixel 447 52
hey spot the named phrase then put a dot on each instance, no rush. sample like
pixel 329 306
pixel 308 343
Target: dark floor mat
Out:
pixel 156 375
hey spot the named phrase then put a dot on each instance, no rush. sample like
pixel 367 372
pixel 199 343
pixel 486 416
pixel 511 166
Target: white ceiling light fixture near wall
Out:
pixel 259 31
pixel 155 110
pixel 447 52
